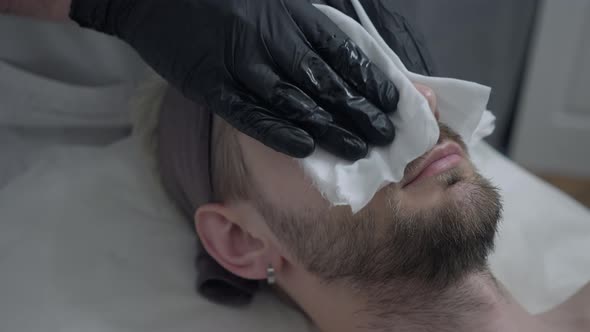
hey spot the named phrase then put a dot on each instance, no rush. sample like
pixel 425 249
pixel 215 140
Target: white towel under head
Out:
pixel 462 107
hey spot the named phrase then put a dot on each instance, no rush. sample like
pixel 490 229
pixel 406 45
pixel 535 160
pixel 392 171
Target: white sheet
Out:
pixel 89 242
pixel 542 252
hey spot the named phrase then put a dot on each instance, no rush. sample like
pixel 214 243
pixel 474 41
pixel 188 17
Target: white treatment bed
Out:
pixel 89 242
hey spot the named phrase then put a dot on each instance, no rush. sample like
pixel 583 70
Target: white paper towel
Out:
pixel 462 107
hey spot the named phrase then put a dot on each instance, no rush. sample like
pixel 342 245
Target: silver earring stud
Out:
pixel 270 275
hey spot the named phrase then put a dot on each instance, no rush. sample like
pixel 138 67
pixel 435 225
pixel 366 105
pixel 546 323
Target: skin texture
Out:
pixel 240 235
pixel 573 314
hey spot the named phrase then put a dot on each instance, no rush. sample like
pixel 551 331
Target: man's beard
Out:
pixel 430 248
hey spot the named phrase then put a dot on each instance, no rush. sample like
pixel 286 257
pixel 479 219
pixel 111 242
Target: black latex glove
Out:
pixel 278 70
pixel 395 28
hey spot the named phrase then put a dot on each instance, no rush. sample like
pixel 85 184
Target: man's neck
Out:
pixel 476 304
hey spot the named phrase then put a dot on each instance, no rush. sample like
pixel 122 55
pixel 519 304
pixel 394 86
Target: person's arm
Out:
pixel 279 71
pixel 55 10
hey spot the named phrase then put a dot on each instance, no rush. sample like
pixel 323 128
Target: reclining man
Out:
pixel 414 259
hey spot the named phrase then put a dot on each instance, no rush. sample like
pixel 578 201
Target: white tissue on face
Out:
pixel 462 107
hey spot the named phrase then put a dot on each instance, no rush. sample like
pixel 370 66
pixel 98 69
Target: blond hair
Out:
pixel 228 173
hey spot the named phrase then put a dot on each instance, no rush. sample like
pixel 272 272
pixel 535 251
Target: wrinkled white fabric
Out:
pixel 462 106
pixel 90 242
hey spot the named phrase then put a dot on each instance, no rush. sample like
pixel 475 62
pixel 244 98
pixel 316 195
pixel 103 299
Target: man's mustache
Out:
pixel 447 133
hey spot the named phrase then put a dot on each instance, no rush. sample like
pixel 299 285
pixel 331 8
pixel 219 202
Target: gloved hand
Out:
pixel 396 30
pixel 278 70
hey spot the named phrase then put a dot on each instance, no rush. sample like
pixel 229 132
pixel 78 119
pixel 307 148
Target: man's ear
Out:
pixel 223 235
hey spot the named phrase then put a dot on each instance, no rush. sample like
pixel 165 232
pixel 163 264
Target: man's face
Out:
pixel 432 228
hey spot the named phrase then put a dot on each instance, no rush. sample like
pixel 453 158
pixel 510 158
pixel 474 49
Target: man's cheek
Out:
pixel 298 195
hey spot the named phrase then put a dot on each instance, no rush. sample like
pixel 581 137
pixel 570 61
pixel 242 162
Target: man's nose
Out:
pixel 430 96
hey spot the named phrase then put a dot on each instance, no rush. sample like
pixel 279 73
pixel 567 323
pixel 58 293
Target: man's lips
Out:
pixel 443 157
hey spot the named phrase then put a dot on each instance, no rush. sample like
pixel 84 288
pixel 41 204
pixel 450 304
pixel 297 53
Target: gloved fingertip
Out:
pixel 385 131
pixel 353 150
pixel 382 130
pixel 344 144
pixel 291 141
pixel 389 97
